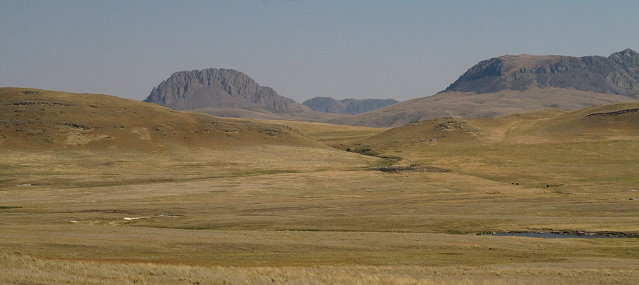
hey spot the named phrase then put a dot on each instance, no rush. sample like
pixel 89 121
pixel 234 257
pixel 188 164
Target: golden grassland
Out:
pixel 329 134
pixel 29 270
pixel 253 209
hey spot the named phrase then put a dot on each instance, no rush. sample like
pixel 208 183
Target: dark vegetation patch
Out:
pixel 256 172
pixel 386 160
pixel 272 132
pixel 451 125
pixel 77 126
pixel 39 103
pixel 9 207
pixel 107 211
pixel 31 92
pixel 411 168
pixel 558 191
pixel 620 112
pixel 569 233
pixel 363 149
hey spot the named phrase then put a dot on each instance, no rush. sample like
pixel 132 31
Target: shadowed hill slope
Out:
pixel 32 118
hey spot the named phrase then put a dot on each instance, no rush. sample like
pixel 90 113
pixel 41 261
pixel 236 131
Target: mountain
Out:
pixel 43 119
pixel 229 93
pixel 347 106
pixel 616 74
pixel 514 84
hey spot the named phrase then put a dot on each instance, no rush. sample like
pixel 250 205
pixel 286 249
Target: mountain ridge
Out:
pixel 519 83
pixel 219 87
pixel 616 74
pixel 346 106
pixel 229 93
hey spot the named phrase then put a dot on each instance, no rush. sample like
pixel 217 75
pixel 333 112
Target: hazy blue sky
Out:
pixel 302 49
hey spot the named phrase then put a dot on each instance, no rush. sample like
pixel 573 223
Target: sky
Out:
pixel 302 49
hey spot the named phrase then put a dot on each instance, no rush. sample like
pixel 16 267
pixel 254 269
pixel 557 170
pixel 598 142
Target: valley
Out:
pixel 282 202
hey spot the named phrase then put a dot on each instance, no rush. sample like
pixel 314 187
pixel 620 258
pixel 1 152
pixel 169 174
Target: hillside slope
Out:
pixel 598 123
pixel 33 118
pixel 468 104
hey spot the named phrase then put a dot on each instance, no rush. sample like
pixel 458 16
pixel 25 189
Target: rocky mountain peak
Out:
pixel 219 88
pixel 627 58
pixel 627 52
pixel 616 74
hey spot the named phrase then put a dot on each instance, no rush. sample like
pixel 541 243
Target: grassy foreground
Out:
pixel 254 220
pixel 29 270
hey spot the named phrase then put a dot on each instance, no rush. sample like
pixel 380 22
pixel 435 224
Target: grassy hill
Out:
pixel 32 118
pixel 74 140
pixel 591 148
pixel 329 134
pixel 602 122
pixel 468 104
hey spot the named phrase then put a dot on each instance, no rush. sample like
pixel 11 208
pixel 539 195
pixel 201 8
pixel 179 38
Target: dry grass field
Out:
pixel 250 207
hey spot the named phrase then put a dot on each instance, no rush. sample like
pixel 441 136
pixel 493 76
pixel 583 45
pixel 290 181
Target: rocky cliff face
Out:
pixel 616 74
pixel 347 106
pixel 219 88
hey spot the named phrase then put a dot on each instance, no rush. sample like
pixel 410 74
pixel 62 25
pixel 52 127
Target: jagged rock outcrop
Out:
pixel 617 74
pixel 219 88
pixel 347 106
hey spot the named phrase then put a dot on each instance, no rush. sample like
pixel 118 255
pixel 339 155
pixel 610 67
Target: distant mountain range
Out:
pixel 347 106
pixel 511 84
pixel 502 85
pixel 225 92
pixel 230 93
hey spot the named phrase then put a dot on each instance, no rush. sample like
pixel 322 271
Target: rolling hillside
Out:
pixel 588 149
pixel 602 122
pixel 33 118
